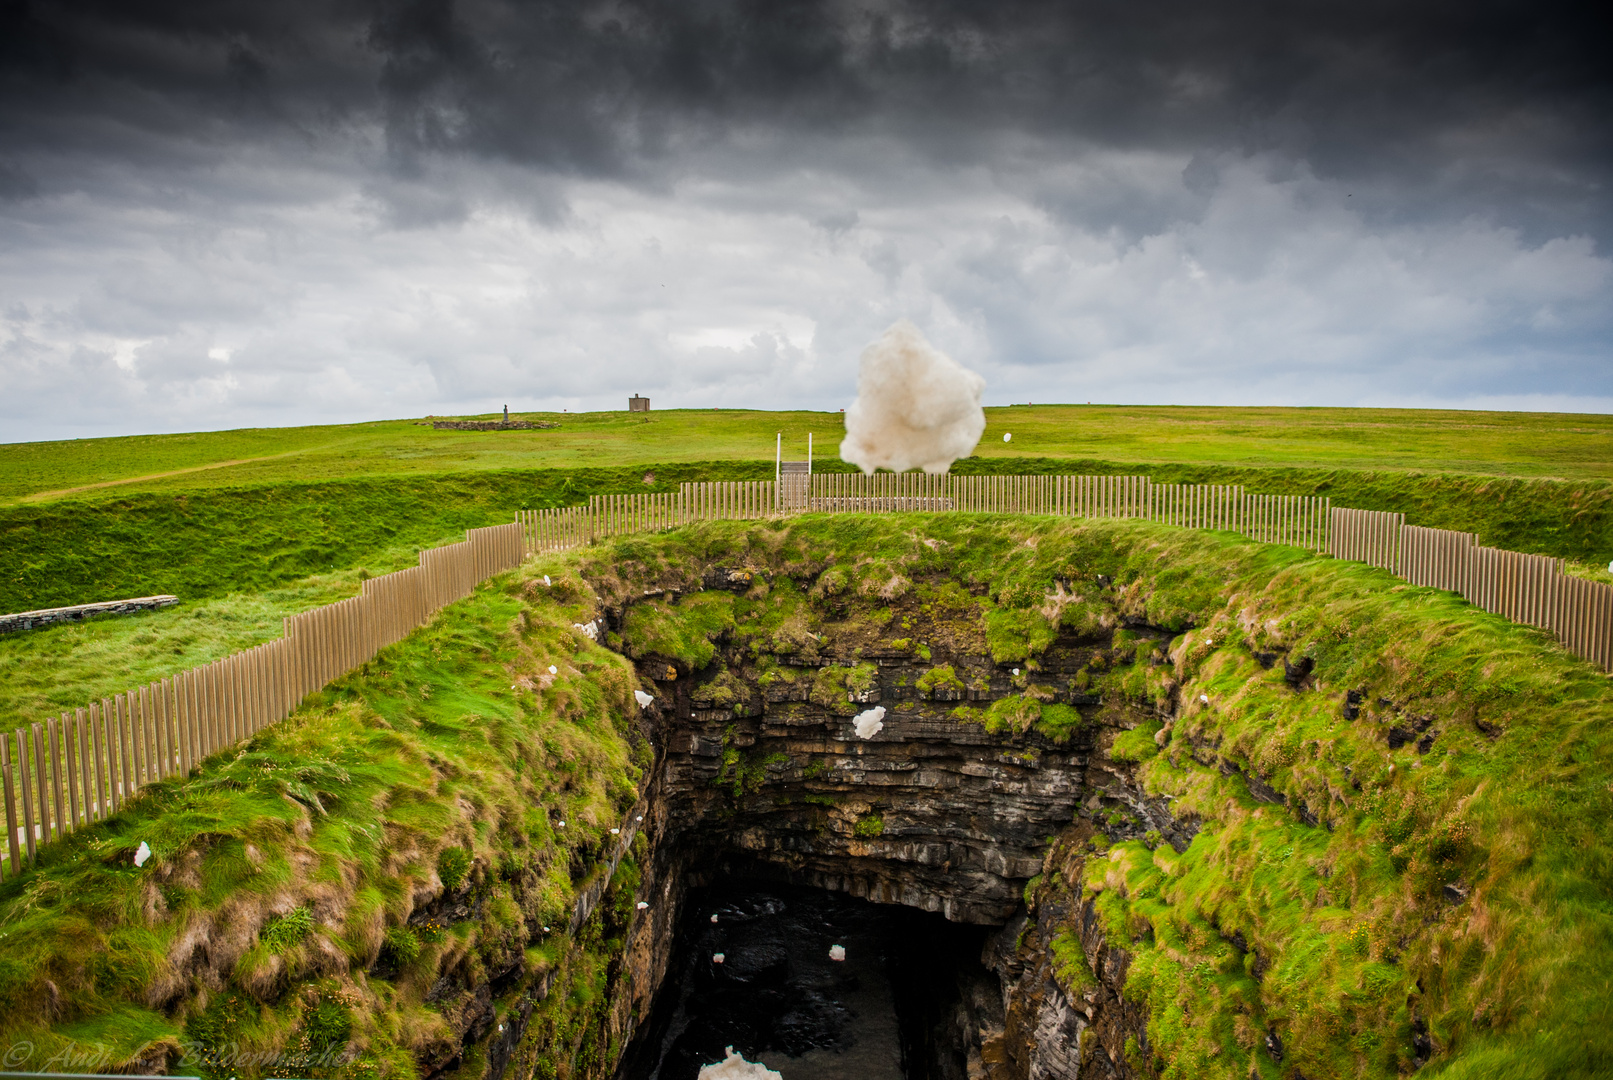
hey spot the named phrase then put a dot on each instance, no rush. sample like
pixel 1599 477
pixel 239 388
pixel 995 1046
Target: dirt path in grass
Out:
pixel 41 496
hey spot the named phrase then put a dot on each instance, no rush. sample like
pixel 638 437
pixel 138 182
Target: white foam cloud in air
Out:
pixel 916 407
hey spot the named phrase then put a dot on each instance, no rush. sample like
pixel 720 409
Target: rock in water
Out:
pixel 734 1067
pixel 915 407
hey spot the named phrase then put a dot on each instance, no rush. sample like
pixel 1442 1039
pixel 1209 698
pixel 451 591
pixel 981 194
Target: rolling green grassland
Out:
pixel 1563 445
pixel 235 540
pixel 242 559
pixel 319 500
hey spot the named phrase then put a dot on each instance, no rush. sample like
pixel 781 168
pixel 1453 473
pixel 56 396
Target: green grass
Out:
pixel 348 496
pixel 236 540
pixel 450 756
pixel 1514 444
pixel 215 543
pixel 68 665
pixel 399 449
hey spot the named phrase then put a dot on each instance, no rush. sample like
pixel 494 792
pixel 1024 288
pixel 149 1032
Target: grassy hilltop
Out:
pixel 203 515
pixel 1560 445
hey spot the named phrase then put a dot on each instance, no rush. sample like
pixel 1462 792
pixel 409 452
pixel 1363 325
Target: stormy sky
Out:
pixel 219 214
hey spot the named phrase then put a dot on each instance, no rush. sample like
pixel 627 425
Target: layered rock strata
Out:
pixel 766 777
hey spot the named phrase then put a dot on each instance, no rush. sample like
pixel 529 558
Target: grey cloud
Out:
pixel 837 222
pixel 16 184
pixel 438 204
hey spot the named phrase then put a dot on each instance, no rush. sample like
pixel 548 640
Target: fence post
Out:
pixel 42 780
pixel 27 793
pixel 69 752
pixel 11 807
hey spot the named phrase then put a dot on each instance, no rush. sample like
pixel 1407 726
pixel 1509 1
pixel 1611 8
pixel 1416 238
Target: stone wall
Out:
pixel 30 620
pixel 492 425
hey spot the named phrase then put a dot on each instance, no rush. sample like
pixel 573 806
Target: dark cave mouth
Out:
pixel 887 1011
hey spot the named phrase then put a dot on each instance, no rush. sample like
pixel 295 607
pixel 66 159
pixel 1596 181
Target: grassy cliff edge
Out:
pixel 1402 805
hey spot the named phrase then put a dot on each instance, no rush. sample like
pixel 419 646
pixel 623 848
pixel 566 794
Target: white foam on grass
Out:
pixel 916 407
pixel 735 1067
pixel 869 722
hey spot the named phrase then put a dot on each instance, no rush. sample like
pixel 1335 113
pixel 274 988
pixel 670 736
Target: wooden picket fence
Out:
pixel 1530 589
pixel 1526 588
pixel 1282 519
pixel 76 769
pixel 69 771
pixel 883 493
pixel 1369 536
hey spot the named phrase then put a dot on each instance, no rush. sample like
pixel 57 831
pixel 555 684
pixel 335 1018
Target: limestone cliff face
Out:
pixel 1064 1013
pixel 769 776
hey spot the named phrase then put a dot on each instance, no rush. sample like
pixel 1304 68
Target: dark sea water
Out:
pixel 779 999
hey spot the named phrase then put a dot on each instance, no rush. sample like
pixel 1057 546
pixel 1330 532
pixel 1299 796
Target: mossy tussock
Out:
pixel 311 894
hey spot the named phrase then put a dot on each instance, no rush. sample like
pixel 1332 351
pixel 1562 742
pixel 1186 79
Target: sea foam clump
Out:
pixel 870 722
pixel 734 1067
pixel 916 407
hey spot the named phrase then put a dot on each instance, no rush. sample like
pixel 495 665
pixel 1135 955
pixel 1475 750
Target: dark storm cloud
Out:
pixel 1483 98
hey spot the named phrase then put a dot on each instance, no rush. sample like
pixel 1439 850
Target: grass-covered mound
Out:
pixel 1404 853
pixel 399 834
